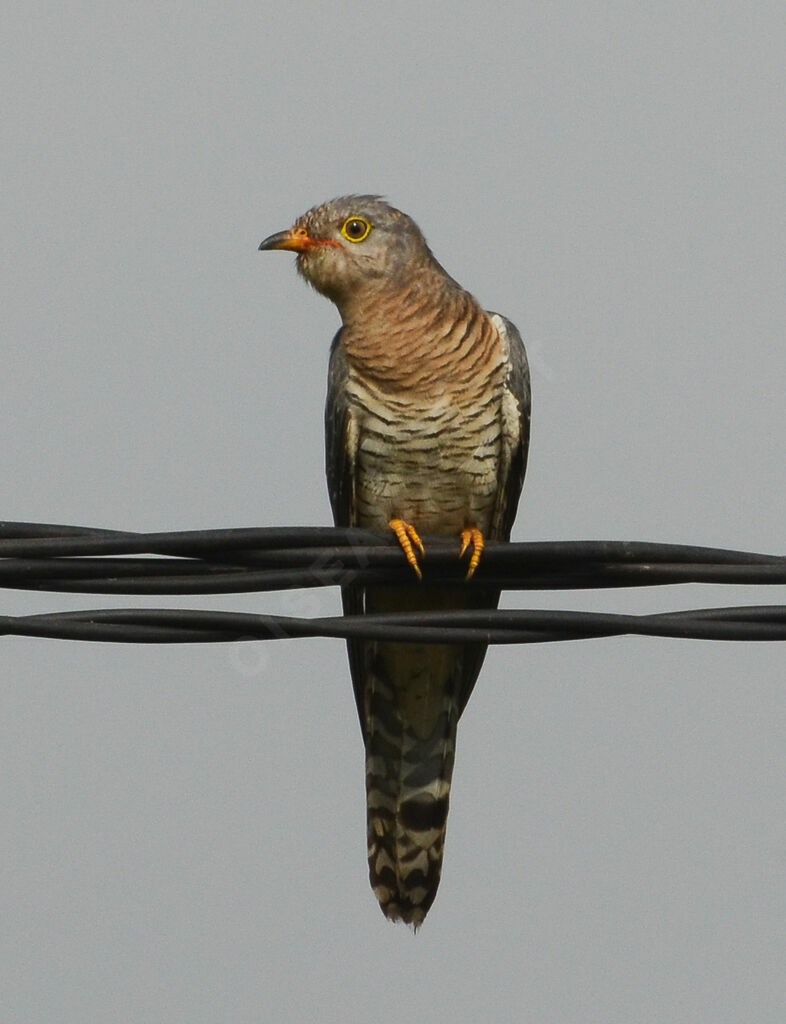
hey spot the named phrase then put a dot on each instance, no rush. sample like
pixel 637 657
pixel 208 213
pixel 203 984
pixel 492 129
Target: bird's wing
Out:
pixel 515 428
pixel 340 447
pixel 339 459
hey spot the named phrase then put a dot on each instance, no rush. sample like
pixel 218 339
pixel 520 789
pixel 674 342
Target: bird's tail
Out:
pixel 410 747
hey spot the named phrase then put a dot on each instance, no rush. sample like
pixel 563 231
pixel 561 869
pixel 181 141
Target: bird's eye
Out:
pixel 355 229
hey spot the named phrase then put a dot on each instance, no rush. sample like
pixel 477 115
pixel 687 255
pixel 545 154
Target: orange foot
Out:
pixel 407 537
pixel 472 535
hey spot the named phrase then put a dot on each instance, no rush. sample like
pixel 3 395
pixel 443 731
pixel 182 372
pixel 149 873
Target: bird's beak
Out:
pixel 295 240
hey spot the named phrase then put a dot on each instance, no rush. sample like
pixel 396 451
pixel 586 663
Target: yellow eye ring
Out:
pixel 355 229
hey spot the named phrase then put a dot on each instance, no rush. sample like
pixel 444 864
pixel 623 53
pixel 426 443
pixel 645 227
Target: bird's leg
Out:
pixel 407 537
pixel 472 535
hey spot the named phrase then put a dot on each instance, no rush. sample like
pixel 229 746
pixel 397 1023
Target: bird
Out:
pixel 427 424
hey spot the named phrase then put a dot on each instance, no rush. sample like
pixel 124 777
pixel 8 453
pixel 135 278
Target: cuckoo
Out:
pixel 427 429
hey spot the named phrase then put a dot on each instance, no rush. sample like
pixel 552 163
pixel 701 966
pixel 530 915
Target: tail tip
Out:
pixel 398 907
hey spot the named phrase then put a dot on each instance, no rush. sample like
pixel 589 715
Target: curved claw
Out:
pixel 408 536
pixel 472 536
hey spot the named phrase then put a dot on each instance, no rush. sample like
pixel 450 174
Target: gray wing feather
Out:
pixel 340 470
pixel 339 464
pixel 515 430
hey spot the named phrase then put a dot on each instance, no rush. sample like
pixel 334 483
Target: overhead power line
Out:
pixel 44 557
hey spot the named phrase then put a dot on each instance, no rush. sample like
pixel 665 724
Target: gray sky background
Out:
pixel 183 829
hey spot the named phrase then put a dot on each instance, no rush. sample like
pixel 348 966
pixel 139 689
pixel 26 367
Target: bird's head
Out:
pixel 352 244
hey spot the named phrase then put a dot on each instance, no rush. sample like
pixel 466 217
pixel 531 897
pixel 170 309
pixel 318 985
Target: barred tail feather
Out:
pixel 409 699
pixel 409 764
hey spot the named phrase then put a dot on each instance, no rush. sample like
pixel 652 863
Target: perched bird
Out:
pixel 427 428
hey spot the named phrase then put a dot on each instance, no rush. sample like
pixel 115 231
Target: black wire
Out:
pixel 48 557
pixel 37 539
pixel 167 625
pixel 56 558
